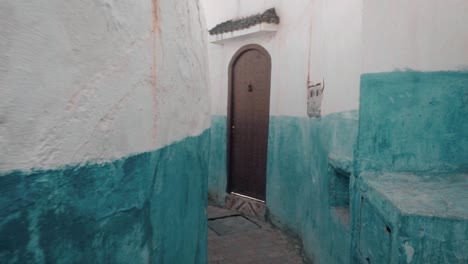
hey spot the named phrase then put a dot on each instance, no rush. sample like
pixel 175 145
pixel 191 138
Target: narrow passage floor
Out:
pixel 235 238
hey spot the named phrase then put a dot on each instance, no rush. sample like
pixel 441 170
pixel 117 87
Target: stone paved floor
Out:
pixel 265 244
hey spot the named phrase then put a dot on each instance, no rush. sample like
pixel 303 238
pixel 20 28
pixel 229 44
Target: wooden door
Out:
pixel 249 105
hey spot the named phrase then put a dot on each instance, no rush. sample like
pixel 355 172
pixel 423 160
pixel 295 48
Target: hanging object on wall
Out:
pixel 314 94
pixel 314 90
pixel 314 98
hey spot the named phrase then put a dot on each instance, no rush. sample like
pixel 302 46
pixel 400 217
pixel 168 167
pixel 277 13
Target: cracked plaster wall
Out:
pixel 104 116
pixel 98 80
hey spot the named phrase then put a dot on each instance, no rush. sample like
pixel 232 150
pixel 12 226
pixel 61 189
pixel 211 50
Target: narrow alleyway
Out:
pixel 235 238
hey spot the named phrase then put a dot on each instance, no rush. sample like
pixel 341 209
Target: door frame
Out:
pixel 234 59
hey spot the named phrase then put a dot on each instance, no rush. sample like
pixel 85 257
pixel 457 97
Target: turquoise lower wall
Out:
pixel 217 179
pixel 411 170
pixel 358 189
pixel 298 178
pixel 413 121
pixel 301 152
pixel 146 208
pixel 426 217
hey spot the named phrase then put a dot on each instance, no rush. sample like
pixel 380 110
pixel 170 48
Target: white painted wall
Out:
pixel 98 80
pixel 427 35
pixel 335 52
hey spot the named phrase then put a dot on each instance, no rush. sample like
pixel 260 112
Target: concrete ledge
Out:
pixel 412 218
pixel 442 196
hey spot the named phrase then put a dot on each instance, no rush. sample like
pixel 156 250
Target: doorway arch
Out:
pixel 248 121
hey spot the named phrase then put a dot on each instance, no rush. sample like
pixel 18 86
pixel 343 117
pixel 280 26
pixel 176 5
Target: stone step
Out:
pixel 245 205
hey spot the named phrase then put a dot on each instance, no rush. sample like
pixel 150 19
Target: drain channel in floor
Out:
pixel 231 225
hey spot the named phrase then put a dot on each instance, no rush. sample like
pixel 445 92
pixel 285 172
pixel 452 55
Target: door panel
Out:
pixel 250 104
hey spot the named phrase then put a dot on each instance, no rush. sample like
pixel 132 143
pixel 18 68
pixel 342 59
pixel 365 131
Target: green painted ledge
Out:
pixel 411 168
pixel 413 121
pixel 146 208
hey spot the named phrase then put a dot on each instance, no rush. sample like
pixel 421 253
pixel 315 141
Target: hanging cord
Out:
pixel 308 65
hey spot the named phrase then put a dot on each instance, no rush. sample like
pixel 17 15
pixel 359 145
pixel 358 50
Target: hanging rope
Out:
pixel 308 65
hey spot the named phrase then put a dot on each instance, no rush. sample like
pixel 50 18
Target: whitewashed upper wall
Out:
pixel 332 30
pixel 425 35
pixel 98 80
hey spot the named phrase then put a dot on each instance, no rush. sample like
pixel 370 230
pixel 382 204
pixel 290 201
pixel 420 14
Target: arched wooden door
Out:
pixel 248 120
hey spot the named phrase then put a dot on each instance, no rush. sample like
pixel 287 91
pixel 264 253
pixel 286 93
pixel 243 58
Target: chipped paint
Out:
pixel 145 208
pixel 409 250
pixel 413 171
pixel 424 130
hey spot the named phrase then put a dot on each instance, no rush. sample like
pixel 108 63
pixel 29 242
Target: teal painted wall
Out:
pixel 411 169
pixel 414 121
pixel 426 215
pixel 146 208
pixel 409 122
pixel 217 177
pixel 298 180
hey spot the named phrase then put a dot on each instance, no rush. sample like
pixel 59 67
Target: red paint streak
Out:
pixel 154 33
pixel 155 30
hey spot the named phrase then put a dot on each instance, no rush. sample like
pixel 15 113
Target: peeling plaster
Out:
pixel 409 252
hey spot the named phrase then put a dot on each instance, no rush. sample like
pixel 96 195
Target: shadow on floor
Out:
pixel 235 238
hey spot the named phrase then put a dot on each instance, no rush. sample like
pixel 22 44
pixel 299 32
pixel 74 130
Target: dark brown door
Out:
pixel 249 105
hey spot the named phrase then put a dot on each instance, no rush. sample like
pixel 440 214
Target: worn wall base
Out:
pixel 300 151
pixel 146 208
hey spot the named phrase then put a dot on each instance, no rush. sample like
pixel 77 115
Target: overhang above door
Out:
pixel 262 24
pixel 254 31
